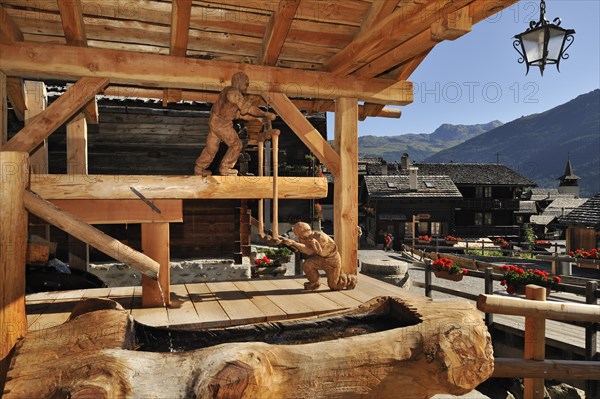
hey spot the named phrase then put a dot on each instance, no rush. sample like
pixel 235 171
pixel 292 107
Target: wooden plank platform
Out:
pixel 215 304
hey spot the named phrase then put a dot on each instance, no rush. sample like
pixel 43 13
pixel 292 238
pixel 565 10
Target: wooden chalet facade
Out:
pixel 138 136
pixel 490 202
pixel 583 225
pixel 390 203
pixel 349 57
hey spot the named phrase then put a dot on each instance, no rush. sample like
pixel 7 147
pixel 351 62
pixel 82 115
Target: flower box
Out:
pixel 447 276
pixel 516 278
pixel 445 268
pixel 451 242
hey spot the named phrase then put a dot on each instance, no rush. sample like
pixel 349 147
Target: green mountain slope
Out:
pixel 423 145
pixel 537 146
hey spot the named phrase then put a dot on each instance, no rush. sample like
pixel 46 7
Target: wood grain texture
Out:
pixel 56 114
pixel 434 352
pixel 90 235
pixel 13 247
pixel 345 200
pixel 67 62
pixel 175 187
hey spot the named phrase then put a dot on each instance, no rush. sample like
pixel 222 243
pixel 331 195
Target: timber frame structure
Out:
pixel 308 55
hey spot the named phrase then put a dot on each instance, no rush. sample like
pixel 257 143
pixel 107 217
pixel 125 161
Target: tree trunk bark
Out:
pixel 444 348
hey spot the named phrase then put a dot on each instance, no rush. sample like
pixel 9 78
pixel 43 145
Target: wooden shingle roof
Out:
pixel 588 214
pixel 476 173
pixel 397 186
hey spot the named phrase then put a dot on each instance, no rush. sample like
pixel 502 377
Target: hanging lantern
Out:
pixel 543 43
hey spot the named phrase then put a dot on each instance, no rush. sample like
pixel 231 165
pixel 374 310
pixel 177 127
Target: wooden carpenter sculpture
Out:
pixel 229 106
pixel 322 254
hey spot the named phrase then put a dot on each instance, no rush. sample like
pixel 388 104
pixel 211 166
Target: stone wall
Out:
pixel 182 271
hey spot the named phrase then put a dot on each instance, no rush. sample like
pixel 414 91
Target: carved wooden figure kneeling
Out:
pixel 322 254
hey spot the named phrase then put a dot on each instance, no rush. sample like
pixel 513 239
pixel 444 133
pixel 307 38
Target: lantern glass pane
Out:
pixel 557 36
pixel 533 44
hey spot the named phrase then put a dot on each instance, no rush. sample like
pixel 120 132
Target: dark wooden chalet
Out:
pixel 390 202
pixel 583 225
pixel 138 136
pixel 490 197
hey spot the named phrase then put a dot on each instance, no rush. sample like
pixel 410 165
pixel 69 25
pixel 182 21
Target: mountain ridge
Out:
pixel 421 145
pixel 538 145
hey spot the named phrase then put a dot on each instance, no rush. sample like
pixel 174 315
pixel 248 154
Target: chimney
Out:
pixel 412 178
pixel 404 162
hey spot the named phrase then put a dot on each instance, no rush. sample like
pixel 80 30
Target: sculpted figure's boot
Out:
pixel 228 172
pixel 311 286
pixel 199 171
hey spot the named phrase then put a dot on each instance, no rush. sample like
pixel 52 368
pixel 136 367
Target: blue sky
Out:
pixel 477 79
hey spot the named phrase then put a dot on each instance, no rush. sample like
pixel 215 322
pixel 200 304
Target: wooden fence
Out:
pixel 585 370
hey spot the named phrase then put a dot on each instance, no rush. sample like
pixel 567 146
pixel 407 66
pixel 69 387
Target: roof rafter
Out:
pixel 389 33
pixel 181 13
pixel 277 29
pixel 71 15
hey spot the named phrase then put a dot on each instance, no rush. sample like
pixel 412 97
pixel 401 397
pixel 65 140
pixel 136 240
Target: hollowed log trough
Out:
pixel 387 347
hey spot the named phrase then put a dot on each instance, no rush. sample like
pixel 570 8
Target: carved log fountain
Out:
pixel 387 346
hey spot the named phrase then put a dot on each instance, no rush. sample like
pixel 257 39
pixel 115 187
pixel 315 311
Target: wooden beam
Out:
pixel 304 130
pixel 9 30
pixel 180 26
pixel 77 150
pixel 3 111
pixel 175 187
pixel 77 164
pixel 210 97
pixel 345 200
pixel 122 67
pixel 389 33
pixel 549 310
pixel 378 11
pixel 155 244
pixel 13 247
pixel 453 25
pixel 181 11
pixel 71 15
pixel 37 99
pixel 549 369
pixel 409 49
pixel 98 211
pixel 88 234
pixel 277 30
pixel 16 95
pixel 57 113
pixel 91 112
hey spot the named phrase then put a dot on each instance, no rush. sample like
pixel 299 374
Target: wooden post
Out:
pixel 261 171
pixel 77 164
pixel 428 279
pixel 155 244
pixel 275 218
pixel 345 202
pixel 13 245
pixel 36 103
pixel 3 110
pixel 592 388
pixel 535 343
pixel 37 100
pixel 489 289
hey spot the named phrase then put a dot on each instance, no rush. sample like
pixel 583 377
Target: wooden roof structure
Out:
pixel 312 50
